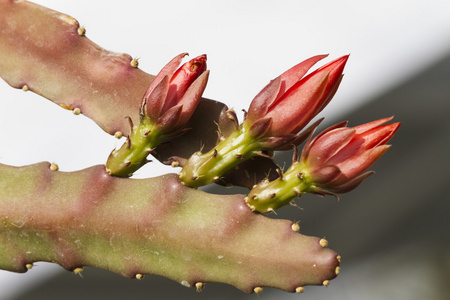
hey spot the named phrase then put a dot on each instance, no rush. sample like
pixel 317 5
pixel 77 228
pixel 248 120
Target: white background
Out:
pixel 247 42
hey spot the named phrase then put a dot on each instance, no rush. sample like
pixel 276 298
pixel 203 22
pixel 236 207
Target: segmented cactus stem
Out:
pixel 157 226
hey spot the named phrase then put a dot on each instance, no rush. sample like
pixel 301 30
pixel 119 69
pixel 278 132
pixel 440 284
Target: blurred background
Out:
pixel 392 232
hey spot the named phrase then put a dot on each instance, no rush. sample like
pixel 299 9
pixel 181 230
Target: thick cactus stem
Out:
pixel 150 226
pixel 43 49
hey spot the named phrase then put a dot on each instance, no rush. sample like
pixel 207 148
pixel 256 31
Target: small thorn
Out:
pixel 254 197
pixel 139 276
pixel 175 164
pixel 134 62
pixel 128 143
pixel 76 111
pixel 128 163
pixel 258 290
pixel 295 155
pixel 199 286
pixel 337 270
pixel 54 167
pixel 130 122
pixel 297 192
pixel 280 173
pixel 323 243
pixel 81 31
pixel 194 177
pixel 25 88
pixel 77 271
pixel 295 227
pixel 232 116
pixel 219 134
pixel 215 153
pixel 147 133
pixel 299 290
pixel 239 156
pixel 216 179
pixel 271 210
pixel 300 175
pixel 29 266
pixel 108 171
pixel 143 109
pixel 118 135
pixel 273 195
pixel 338 258
pixel 245 113
pixel 326 283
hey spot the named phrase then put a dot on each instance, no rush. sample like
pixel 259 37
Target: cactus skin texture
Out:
pixel 140 226
pixel 42 51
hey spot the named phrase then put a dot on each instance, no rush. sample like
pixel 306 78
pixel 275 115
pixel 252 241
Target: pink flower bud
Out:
pixel 337 158
pixel 292 100
pixel 174 94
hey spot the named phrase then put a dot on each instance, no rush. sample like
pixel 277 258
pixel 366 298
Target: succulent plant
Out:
pixel 98 217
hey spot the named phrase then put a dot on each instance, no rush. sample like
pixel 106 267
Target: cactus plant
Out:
pixel 39 45
pixel 162 225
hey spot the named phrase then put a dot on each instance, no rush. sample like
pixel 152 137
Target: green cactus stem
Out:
pixel 206 168
pixel 133 154
pixel 151 226
pixel 267 196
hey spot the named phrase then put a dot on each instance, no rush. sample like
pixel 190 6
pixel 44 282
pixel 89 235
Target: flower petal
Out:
pixel 294 74
pixel 357 164
pixel 260 127
pixel 192 97
pixel 350 185
pixel 365 127
pixel 328 145
pixel 297 106
pixel 168 70
pixel 154 102
pixel 261 103
pixel 169 120
pixel 325 175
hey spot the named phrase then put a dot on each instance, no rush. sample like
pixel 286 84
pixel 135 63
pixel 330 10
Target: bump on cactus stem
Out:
pixel 163 227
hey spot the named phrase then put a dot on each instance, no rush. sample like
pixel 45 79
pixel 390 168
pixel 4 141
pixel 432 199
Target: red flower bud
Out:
pixel 174 94
pixel 336 159
pixel 292 100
